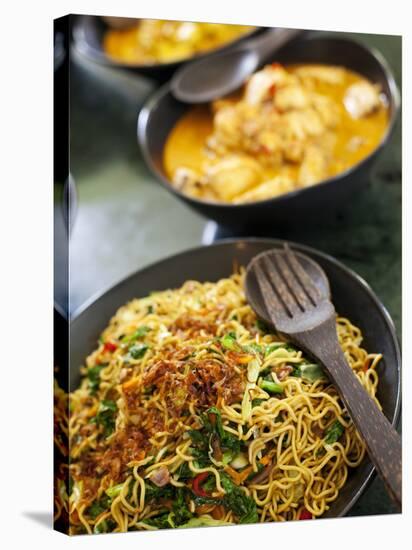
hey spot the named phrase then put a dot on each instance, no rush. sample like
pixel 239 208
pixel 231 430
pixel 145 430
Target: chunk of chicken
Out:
pixel 313 167
pixel 262 84
pixel 233 175
pixel 298 125
pixel 328 75
pixel 269 142
pixel 326 108
pixel 266 190
pixel 293 151
pixel 291 97
pixel 232 122
pixel 361 99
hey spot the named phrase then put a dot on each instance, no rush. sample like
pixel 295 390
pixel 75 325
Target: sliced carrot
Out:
pixel 244 359
pixel 130 383
pixel 239 477
pixel 233 474
pixel 244 473
pixel 265 460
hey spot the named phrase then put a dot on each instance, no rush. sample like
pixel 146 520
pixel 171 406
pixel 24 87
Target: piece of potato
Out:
pixel 233 176
pixel 266 190
pixel 313 168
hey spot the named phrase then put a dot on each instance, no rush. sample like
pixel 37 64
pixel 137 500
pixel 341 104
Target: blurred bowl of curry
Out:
pixel 298 140
pixel 152 47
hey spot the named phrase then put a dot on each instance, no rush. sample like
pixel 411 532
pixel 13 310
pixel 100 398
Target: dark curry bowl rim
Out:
pixel 154 99
pixel 98 56
pixel 313 253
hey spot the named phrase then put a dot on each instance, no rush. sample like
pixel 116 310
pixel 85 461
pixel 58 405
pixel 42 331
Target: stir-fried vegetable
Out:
pixel 253 474
pixel 160 522
pixel 240 461
pixel 197 484
pixel 138 350
pixel 98 507
pixel 156 493
pixel 229 342
pixel 104 526
pixel 277 346
pixel 180 511
pixel 109 346
pixel 236 499
pixel 213 443
pixel 184 472
pixel 106 416
pixel 114 491
pixel 273 347
pixel 93 375
pixel 305 514
pixel 309 372
pixel 253 348
pixel 177 513
pixel 271 387
pixel 334 432
pixel 139 333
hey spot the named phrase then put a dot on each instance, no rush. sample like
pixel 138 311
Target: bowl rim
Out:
pixel 151 104
pixel 98 55
pixel 370 471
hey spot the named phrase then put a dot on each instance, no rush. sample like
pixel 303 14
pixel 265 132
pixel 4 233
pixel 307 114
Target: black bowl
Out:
pixel 60 346
pixel 162 111
pixel 352 297
pixel 88 32
pixel 59 51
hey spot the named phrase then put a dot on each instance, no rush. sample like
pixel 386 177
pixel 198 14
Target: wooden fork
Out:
pixel 306 316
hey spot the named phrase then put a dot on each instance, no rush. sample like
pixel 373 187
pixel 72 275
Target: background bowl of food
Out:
pixel 300 138
pixel 152 47
pixel 352 297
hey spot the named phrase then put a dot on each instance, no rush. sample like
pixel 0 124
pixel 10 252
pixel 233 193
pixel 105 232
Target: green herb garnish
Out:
pixel 229 342
pixel 106 416
pixel 98 507
pixel 136 335
pixel 138 350
pixel 93 375
pixel 236 499
pixel 334 432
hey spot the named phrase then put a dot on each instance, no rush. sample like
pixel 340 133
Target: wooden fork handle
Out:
pixel 382 441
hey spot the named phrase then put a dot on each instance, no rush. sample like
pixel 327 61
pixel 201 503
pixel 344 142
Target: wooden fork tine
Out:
pixel 272 303
pixel 293 282
pixel 282 289
pixel 301 275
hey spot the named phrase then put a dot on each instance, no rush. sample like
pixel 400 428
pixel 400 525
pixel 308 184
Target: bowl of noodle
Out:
pixel 186 410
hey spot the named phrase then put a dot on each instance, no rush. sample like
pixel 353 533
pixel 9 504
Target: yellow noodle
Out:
pixel 160 365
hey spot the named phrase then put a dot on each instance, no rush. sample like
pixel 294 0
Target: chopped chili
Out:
pixel 109 346
pixel 197 484
pixel 305 514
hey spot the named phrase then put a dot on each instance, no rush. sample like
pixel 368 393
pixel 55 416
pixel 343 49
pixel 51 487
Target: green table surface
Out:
pixel 126 220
